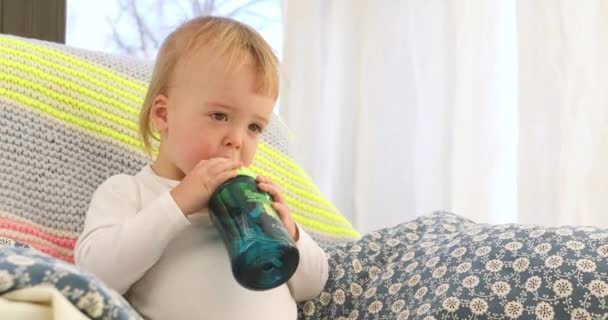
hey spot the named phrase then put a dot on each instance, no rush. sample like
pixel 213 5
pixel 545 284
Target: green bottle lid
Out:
pixel 244 171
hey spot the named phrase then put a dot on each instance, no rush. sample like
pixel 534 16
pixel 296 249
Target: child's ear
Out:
pixel 159 112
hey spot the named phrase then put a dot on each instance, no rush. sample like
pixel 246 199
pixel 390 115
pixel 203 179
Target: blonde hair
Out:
pixel 224 36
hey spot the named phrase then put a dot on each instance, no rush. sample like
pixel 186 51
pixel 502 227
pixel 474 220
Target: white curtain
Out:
pixel 563 106
pixel 490 109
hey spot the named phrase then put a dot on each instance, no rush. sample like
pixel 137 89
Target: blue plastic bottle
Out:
pixel 262 254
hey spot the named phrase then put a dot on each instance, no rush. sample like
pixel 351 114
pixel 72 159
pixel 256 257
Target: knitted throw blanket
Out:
pixel 68 121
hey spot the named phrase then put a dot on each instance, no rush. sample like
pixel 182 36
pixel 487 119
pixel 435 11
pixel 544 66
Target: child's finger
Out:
pixel 222 165
pixel 263 179
pixel 267 180
pixel 284 215
pixel 286 219
pixel 281 209
pixel 273 190
pixel 223 177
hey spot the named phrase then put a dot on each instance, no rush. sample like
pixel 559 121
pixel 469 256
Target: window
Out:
pixel 138 27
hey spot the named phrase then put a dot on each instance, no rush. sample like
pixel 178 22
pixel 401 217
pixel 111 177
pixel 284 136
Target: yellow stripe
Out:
pixel 282 173
pixel 274 154
pixel 69 101
pixel 79 75
pixel 73 61
pixel 330 213
pixel 70 85
pixel 295 178
pixel 265 160
pixel 277 156
pixel 293 202
pixel 295 189
pixel 64 116
pixel 323 228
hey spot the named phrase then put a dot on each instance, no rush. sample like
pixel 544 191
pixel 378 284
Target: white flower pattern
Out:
pixel 533 283
pixel 562 288
pixel 470 282
pixel 603 251
pixel 575 245
pixel 92 304
pixel 514 309
pixel 514 246
pixel 463 267
pixel 598 288
pixel 494 265
pixel 478 306
pixel 501 288
pixel 339 296
pixel 585 265
pixel 554 262
pixel 6 280
pixel 543 248
pixel 451 304
pixel 397 305
pixel 441 289
pixel 521 264
pixel 544 311
pixel 20 260
pixel 394 288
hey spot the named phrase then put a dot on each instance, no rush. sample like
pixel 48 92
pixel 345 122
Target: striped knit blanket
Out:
pixel 68 121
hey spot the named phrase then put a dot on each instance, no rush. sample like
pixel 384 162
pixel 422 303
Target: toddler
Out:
pixel 149 236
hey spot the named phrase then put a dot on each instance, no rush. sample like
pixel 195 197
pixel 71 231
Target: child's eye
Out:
pixel 219 116
pixel 256 128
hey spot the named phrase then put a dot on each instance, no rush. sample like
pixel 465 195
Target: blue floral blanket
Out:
pixel 443 266
pixel 24 267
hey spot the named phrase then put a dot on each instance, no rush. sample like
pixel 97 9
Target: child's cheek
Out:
pixel 248 155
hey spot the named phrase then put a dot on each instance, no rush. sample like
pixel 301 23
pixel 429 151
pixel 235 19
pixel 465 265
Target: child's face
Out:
pixel 210 111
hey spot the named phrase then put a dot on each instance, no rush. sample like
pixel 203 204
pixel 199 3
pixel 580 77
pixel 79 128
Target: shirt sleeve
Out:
pixel 309 279
pixel 120 241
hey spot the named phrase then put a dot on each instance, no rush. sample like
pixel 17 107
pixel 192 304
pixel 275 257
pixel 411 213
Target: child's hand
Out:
pixel 194 191
pixel 279 204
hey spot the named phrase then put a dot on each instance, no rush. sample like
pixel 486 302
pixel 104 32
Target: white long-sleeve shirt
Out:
pixel 137 240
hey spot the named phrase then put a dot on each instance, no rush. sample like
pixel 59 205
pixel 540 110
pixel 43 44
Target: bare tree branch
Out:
pixel 116 35
pixel 147 43
pixel 244 7
pixel 196 7
pixel 262 17
pixel 142 27
pixel 209 7
pixel 118 40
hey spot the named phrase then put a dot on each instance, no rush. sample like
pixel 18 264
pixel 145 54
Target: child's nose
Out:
pixel 233 139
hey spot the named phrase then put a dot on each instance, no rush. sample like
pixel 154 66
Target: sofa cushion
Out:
pixel 68 121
